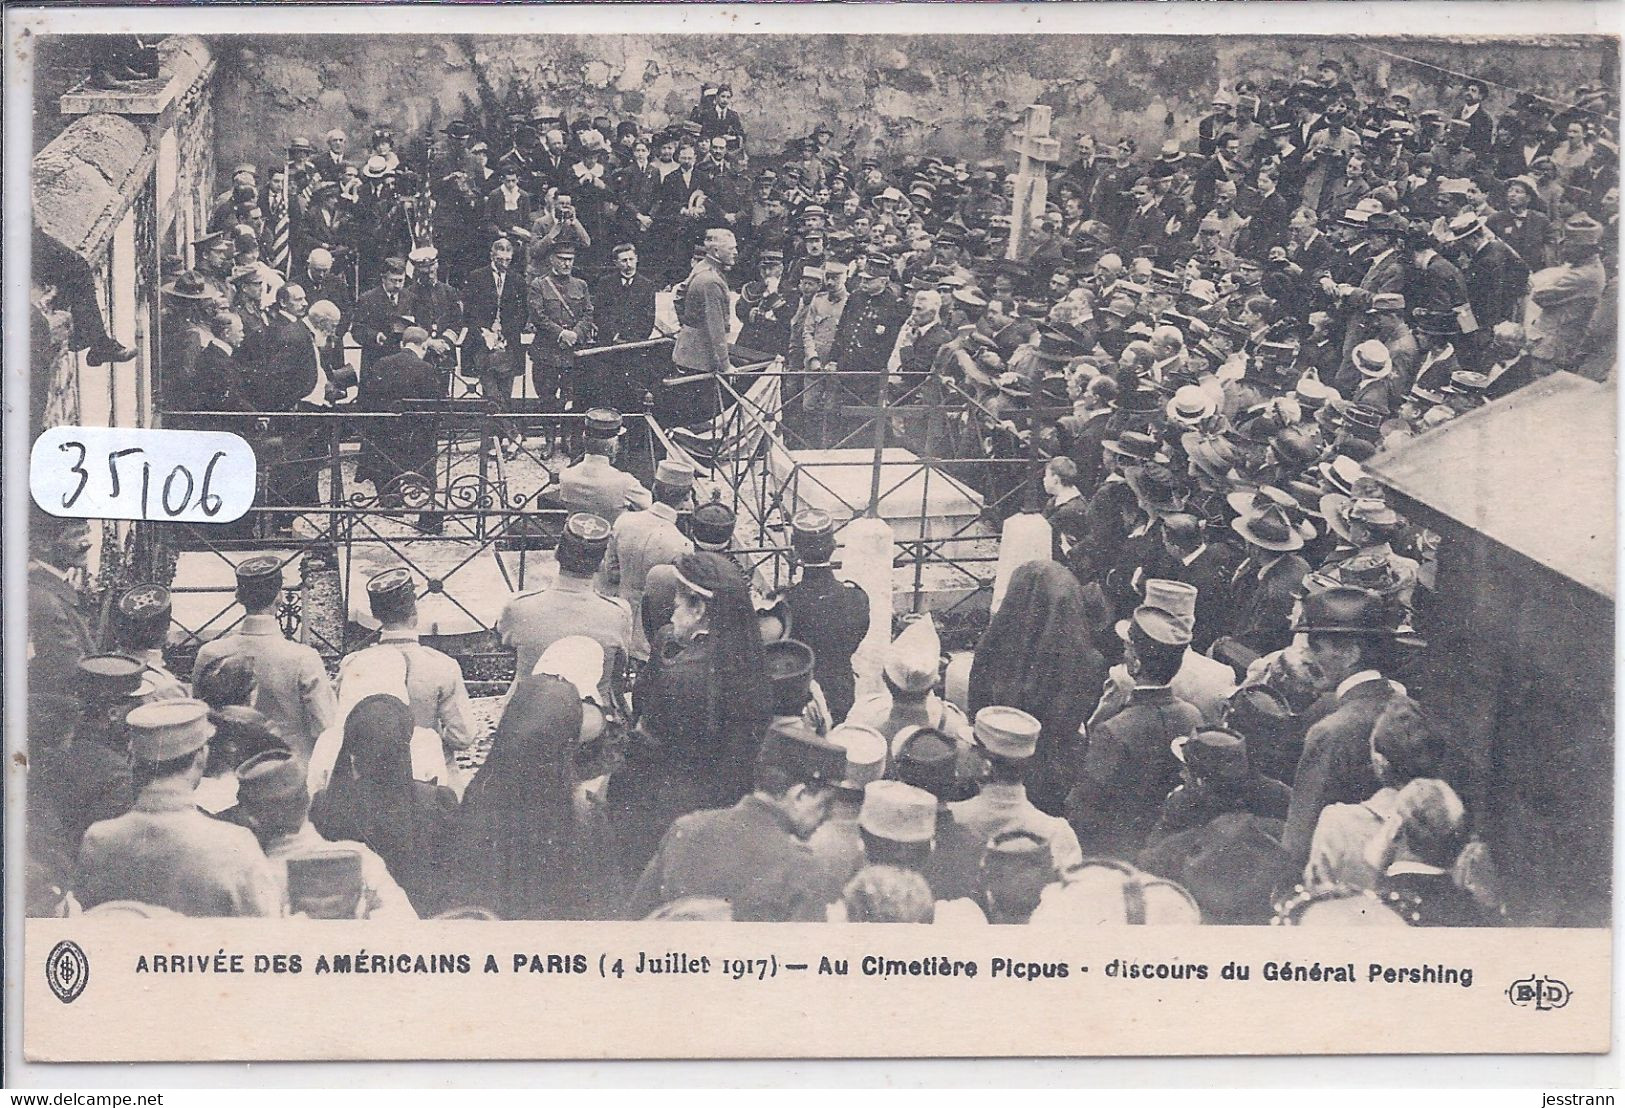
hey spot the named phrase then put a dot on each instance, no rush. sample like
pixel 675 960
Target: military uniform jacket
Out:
pixel 291 688
pixel 1130 769
pixel 638 542
pixel 532 622
pixel 165 851
pixel 58 635
pixel 867 331
pixel 594 485
pixel 745 855
pixel 999 808
pixel 831 616
pixel 702 344
pixel 434 685
pixel 559 304
pixel 437 307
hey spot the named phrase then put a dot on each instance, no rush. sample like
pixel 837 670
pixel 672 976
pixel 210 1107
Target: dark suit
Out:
pixel 329 167
pixel 1497 279
pixel 1526 234
pixel 715 121
pixel 623 313
pixel 372 324
pixel 58 635
pixel 1480 132
pixel 1210 571
pixel 1263 604
pixel 406 445
pixel 831 616
pixel 482 312
pixel 285 373
pixel 1336 764
pixel 500 221
pixel 1128 771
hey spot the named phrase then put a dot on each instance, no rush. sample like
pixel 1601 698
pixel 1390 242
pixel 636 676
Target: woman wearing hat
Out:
pixel 531 846
pixel 701 703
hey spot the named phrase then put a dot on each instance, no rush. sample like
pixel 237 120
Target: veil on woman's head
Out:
pixel 538 729
pixel 377 741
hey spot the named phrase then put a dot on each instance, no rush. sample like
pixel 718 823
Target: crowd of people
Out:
pixel 1187 712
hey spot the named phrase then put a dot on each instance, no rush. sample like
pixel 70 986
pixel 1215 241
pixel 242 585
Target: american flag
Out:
pixel 279 259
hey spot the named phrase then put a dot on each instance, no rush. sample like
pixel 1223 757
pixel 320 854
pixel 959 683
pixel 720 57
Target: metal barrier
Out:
pixel 442 484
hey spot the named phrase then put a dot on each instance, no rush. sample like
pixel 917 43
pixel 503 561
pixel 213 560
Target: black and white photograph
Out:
pixel 1054 480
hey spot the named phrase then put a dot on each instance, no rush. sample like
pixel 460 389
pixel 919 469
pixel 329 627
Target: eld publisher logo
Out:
pixel 1545 993
pixel 67 970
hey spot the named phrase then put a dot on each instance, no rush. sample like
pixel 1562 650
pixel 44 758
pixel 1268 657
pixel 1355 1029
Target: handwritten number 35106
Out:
pixel 208 501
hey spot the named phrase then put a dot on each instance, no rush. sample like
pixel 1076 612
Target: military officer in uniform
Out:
pixel 140 628
pixel 642 540
pixel 532 622
pixel 867 330
pixel 291 688
pixel 763 307
pixel 561 314
pixel 593 484
pixel 434 681
pixel 827 613
pixel 165 851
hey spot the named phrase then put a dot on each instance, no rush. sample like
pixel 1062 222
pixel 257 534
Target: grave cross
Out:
pixel 1037 150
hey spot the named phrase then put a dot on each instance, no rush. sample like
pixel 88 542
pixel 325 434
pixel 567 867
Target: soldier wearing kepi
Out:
pixel 594 484
pixel 532 622
pixel 561 315
pixel 640 541
pixel 165 851
pixel 827 613
pixel 291 688
pixel 434 681
pixel 140 627
pixel 868 328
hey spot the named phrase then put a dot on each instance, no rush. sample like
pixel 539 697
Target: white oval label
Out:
pixel 142 473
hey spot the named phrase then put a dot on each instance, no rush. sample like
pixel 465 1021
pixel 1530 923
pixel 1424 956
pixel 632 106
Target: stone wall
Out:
pixel 881 94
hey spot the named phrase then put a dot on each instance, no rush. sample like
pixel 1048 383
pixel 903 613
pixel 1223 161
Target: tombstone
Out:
pixel 1037 150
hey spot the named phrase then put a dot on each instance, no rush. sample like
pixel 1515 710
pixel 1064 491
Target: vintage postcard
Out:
pixel 534 533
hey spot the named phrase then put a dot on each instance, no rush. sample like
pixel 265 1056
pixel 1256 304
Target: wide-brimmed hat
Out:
pixel 1342 512
pixel 1374 572
pixel 1157 488
pixel 1136 446
pixel 1347 610
pixel 1213 754
pixel 188 285
pixel 1247 502
pixel 1272 529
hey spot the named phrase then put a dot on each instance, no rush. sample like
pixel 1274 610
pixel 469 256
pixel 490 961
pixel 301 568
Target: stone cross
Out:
pixel 1037 150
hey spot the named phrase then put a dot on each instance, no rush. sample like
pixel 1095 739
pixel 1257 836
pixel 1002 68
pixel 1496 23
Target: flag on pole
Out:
pixel 280 227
